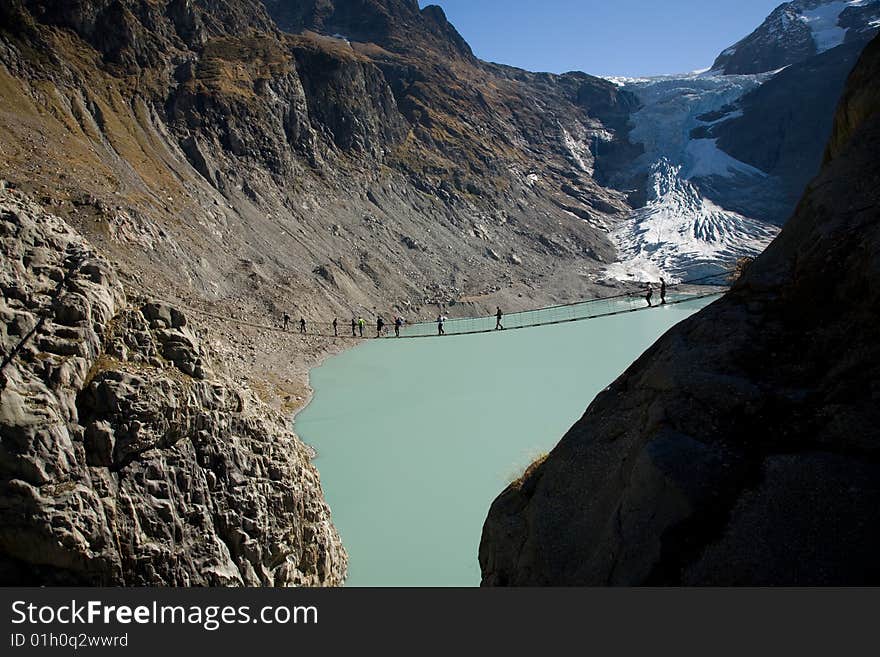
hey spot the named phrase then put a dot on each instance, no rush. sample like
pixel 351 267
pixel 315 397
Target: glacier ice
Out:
pixel 680 233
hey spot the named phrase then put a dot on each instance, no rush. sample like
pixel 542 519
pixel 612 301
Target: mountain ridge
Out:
pixel 391 125
pixel 797 30
pixel 219 173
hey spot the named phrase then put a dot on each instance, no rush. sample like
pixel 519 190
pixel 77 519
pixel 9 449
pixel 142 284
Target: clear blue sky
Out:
pixel 604 37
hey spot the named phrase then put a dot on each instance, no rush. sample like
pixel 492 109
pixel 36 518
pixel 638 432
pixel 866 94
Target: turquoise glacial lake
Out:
pixel 416 438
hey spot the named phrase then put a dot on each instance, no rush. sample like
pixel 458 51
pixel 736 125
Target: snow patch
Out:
pixel 622 81
pixel 639 269
pixel 706 159
pixel 823 23
pixel 579 150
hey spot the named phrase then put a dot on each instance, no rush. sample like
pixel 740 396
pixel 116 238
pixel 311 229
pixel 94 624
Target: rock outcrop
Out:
pixel 742 448
pixel 125 459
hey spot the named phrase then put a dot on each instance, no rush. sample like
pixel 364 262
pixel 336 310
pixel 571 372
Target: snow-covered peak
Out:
pixel 800 29
pixel 823 19
pixel 694 191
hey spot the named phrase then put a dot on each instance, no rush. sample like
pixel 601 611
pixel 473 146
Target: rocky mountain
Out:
pixel 178 174
pixel 798 30
pixel 783 140
pixel 744 137
pixel 397 25
pixel 348 174
pixel 742 447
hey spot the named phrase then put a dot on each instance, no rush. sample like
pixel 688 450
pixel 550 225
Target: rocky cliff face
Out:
pixel 742 447
pixel 126 459
pixel 201 130
pixel 397 25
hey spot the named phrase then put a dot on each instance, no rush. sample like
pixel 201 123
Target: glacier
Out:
pixel 680 233
pixel 684 179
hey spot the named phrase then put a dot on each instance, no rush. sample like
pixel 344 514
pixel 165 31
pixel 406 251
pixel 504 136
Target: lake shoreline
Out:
pixel 414 440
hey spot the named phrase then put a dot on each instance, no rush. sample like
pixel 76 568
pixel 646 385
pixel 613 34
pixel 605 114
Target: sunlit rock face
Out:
pixel 126 459
pixel 308 137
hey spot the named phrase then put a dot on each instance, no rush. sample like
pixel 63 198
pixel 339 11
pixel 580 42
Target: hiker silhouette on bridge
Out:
pixel 422 329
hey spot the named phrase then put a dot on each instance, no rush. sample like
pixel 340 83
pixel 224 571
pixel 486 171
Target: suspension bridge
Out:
pixel 687 291
pixel 586 309
pixel 705 287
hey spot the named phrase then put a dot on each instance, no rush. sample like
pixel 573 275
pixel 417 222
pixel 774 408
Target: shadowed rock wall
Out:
pixel 742 447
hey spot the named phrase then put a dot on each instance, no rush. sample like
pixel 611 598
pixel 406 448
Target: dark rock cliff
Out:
pixel 782 39
pixel 397 25
pixel 742 448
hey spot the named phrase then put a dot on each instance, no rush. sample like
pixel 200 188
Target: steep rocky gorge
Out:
pixel 742 447
pixel 170 166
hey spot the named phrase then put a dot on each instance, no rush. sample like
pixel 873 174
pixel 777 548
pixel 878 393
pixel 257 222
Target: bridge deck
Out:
pixel 618 304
